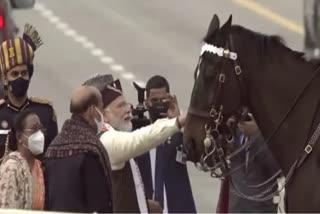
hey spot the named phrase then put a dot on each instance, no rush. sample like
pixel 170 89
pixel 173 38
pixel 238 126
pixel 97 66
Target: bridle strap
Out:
pixel 240 75
pixel 221 80
pixel 309 147
pixel 316 72
pixel 261 196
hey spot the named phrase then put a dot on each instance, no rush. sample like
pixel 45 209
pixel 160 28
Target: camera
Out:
pixel 140 108
pixel 139 119
pixel 158 108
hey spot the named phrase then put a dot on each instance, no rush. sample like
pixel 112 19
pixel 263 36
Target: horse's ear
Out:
pixel 229 22
pixel 214 26
pixel 225 29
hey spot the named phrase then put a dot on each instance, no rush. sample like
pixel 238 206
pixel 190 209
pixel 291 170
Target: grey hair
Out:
pixel 99 81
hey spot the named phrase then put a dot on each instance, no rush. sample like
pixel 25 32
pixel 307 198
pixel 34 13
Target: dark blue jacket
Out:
pixel 174 175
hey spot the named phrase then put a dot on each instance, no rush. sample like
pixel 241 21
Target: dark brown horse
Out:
pixel 240 69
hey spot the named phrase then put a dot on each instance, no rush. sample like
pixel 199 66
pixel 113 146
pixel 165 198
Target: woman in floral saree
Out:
pixel 21 176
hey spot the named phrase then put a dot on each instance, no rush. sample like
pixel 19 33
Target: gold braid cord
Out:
pixel 6 151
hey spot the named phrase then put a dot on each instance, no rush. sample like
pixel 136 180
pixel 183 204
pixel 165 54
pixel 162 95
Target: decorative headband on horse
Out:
pixel 221 52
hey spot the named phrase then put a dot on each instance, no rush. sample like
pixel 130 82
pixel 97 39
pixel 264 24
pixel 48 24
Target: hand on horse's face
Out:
pixel 248 128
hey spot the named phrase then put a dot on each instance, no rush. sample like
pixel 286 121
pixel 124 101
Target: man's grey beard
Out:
pixel 123 126
pixel 120 124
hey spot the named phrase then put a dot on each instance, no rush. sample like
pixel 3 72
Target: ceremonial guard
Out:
pixel 16 64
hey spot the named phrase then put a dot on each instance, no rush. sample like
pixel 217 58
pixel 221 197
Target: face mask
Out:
pixel 99 123
pixel 19 86
pixel 157 109
pixel 36 143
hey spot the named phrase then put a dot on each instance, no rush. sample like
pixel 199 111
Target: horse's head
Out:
pixel 216 94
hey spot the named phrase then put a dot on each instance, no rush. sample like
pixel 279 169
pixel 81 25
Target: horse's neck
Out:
pixel 272 94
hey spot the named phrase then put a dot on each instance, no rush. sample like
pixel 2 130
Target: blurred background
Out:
pixel 135 39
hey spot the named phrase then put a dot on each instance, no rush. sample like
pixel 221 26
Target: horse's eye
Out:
pixel 198 73
pixel 209 70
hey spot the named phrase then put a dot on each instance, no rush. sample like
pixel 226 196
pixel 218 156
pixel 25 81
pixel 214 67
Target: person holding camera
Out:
pixel 123 145
pixel 171 179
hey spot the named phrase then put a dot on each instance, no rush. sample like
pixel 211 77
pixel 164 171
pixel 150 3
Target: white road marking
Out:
pixel 54 19
pixel 81 39
pixel 89 45
pixel 117 67
pixel 106 60
pixel 97 52
pixel 46 13
pixel 70 32
pixel 62 26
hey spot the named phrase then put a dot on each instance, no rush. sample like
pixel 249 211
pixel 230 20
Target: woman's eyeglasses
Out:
pixel 32 131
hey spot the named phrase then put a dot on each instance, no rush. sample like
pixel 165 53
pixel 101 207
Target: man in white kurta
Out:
pixel 123 145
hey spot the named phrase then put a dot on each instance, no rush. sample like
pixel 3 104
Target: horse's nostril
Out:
pixel 190 145
pixel 187 147
pixel 231 123
pixel 190 150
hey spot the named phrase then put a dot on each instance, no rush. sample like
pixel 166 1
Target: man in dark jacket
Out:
pixel 77 165
pixel 171 180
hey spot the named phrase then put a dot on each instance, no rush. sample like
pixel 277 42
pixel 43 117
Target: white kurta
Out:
pixel 122 146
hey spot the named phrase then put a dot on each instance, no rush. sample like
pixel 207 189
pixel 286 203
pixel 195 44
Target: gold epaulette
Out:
pixel 41 100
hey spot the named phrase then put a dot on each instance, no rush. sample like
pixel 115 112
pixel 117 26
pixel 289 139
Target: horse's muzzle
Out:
pixel 190 149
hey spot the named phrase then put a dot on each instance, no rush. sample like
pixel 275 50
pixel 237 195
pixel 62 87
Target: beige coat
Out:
pixel 15 183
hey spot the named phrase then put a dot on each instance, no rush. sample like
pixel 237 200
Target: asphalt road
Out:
pixel 135 39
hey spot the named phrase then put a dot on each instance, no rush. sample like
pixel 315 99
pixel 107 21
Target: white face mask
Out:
pixel 36 143
pixel 99 123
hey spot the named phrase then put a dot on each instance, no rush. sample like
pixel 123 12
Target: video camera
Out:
pixel 139 119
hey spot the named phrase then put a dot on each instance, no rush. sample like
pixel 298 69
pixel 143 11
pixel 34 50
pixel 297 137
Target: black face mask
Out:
pixel 157 109
pixel 19 86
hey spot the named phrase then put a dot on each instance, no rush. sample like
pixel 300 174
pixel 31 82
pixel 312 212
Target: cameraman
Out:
pixel 171 177
pixel 123 145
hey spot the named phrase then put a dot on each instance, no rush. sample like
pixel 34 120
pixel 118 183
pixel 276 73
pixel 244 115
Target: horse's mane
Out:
pixel 264 43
